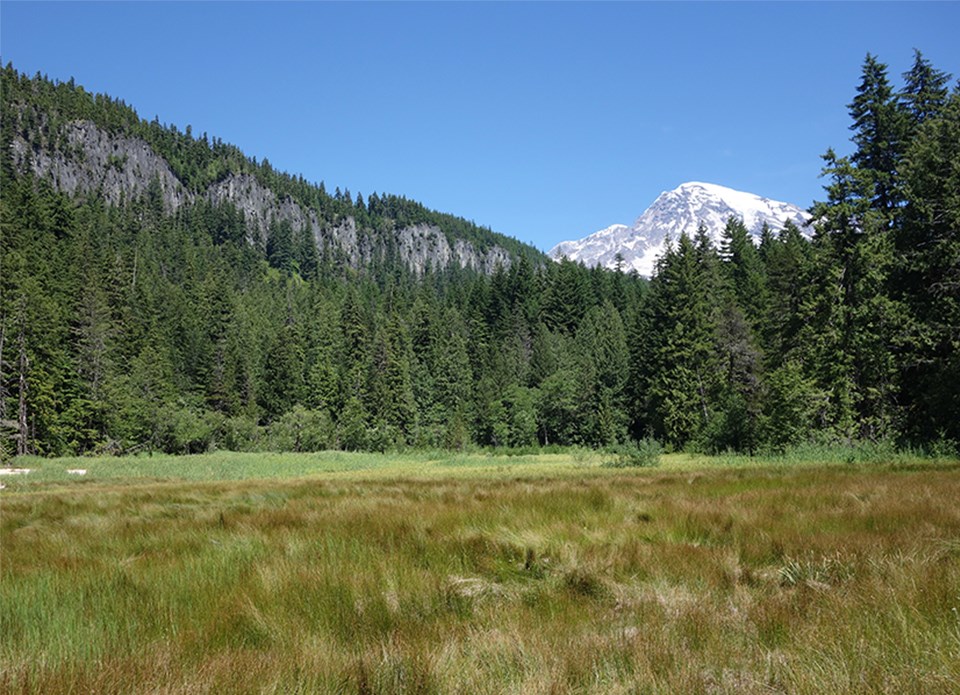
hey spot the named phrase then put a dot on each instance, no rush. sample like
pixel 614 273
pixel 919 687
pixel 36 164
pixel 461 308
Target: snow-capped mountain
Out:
pixel 673 213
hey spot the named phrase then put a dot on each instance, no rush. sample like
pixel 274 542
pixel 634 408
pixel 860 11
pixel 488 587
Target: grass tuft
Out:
pixel 482 575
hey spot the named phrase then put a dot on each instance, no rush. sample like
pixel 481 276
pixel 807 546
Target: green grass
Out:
pixel 479 574
pixel 227 465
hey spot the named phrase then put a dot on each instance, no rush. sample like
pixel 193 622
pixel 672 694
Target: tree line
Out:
pixel 123 328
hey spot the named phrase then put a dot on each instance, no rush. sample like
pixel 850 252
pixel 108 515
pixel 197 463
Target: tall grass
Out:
pixel 805 579
pixel 229 465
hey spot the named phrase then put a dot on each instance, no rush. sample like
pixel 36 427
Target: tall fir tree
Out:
pixel 929 283
pixel 678 372
pixel 744 270
pixel 879 129
pixel 925 92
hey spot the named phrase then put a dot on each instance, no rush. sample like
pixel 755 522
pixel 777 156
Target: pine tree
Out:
pixel 283 383
pixel 929 282
pixel 602 343
pixel 791 402
pixel 744 270
pixel 559 410
pixel 925 92
pixel 352 425
pixel 94 335
pixel 879 131
pixel 567 297
pixel 856 319
pixel 453 382
pixel 788 266
pixel 737 424
pixel 142 397
pixel 324 356
pixel 128 324
pixel 281 251
pixel 391 382
pixel 678 372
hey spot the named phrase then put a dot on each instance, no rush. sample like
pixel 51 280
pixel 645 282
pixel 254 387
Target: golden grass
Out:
pixel 554 579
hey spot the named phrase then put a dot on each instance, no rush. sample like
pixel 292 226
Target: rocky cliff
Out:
pixel 80 158
pixel 88 160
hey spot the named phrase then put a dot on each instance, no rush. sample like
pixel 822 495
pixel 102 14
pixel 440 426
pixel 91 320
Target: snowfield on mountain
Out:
pixel 673 213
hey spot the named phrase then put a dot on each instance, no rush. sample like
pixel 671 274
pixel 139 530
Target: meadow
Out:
pixel 475 573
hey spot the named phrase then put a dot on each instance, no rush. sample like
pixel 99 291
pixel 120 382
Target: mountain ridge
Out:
pixel 94 145
pixel 675 212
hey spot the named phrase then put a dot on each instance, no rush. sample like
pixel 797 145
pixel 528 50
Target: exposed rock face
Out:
pixel 343 236
pixel 94 162
pixel 260 205
pixel 422 245
pixel 120 168
pixel 468 257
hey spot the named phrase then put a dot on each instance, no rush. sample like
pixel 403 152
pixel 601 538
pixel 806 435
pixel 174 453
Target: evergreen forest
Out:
pixel 126 328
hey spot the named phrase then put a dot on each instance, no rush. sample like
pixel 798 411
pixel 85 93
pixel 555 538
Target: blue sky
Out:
pixel 544 121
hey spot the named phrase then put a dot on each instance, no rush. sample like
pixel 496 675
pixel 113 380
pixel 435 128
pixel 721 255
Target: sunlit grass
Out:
pixel 228 465
pixel 479 574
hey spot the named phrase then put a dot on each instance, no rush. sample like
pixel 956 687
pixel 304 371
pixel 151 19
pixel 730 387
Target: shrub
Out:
pixel 301 429
pixel 943 448
pixel 190 430
pixel 642 454
pixel 241 433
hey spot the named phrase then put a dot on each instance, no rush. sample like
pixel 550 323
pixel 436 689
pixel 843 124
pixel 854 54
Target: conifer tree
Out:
pixel 678 370
pixel 737 423
pixel 788 267
pixel 929 283
pixel 567 297
pixel 925 92
pixel 283 374
pixel 857 320
pixel 281 251
pixel 602 342
pixel 391 382
pixel 453 380
pixel 879 131
pixel 131 324
pixel 324 355
pixel 559 410
pixel 744 270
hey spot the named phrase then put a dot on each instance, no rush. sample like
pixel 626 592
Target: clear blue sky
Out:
pixel 543 121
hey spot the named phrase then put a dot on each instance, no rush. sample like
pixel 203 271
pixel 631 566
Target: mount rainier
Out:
pixel 673 213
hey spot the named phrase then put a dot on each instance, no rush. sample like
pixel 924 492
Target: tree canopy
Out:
pixel 124 327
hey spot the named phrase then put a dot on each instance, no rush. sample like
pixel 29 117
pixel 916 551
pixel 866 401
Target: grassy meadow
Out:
pixel 473 573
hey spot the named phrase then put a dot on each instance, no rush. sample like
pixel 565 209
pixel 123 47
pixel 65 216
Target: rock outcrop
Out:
pixel 91 161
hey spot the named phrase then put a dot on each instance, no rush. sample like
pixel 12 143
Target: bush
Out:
pixel 642 454
pixel 190 430
pixel 301 429
pixel 943 448
pixel 241 433
pixel 851 452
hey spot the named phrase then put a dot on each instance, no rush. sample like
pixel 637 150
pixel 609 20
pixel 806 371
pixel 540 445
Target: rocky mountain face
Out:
pixel 673 213
pixel 91 161
pixel 88 160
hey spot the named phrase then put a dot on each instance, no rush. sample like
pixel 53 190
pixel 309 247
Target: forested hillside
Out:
pixel 142 307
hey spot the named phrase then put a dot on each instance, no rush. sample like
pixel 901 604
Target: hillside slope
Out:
pixel 93 145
